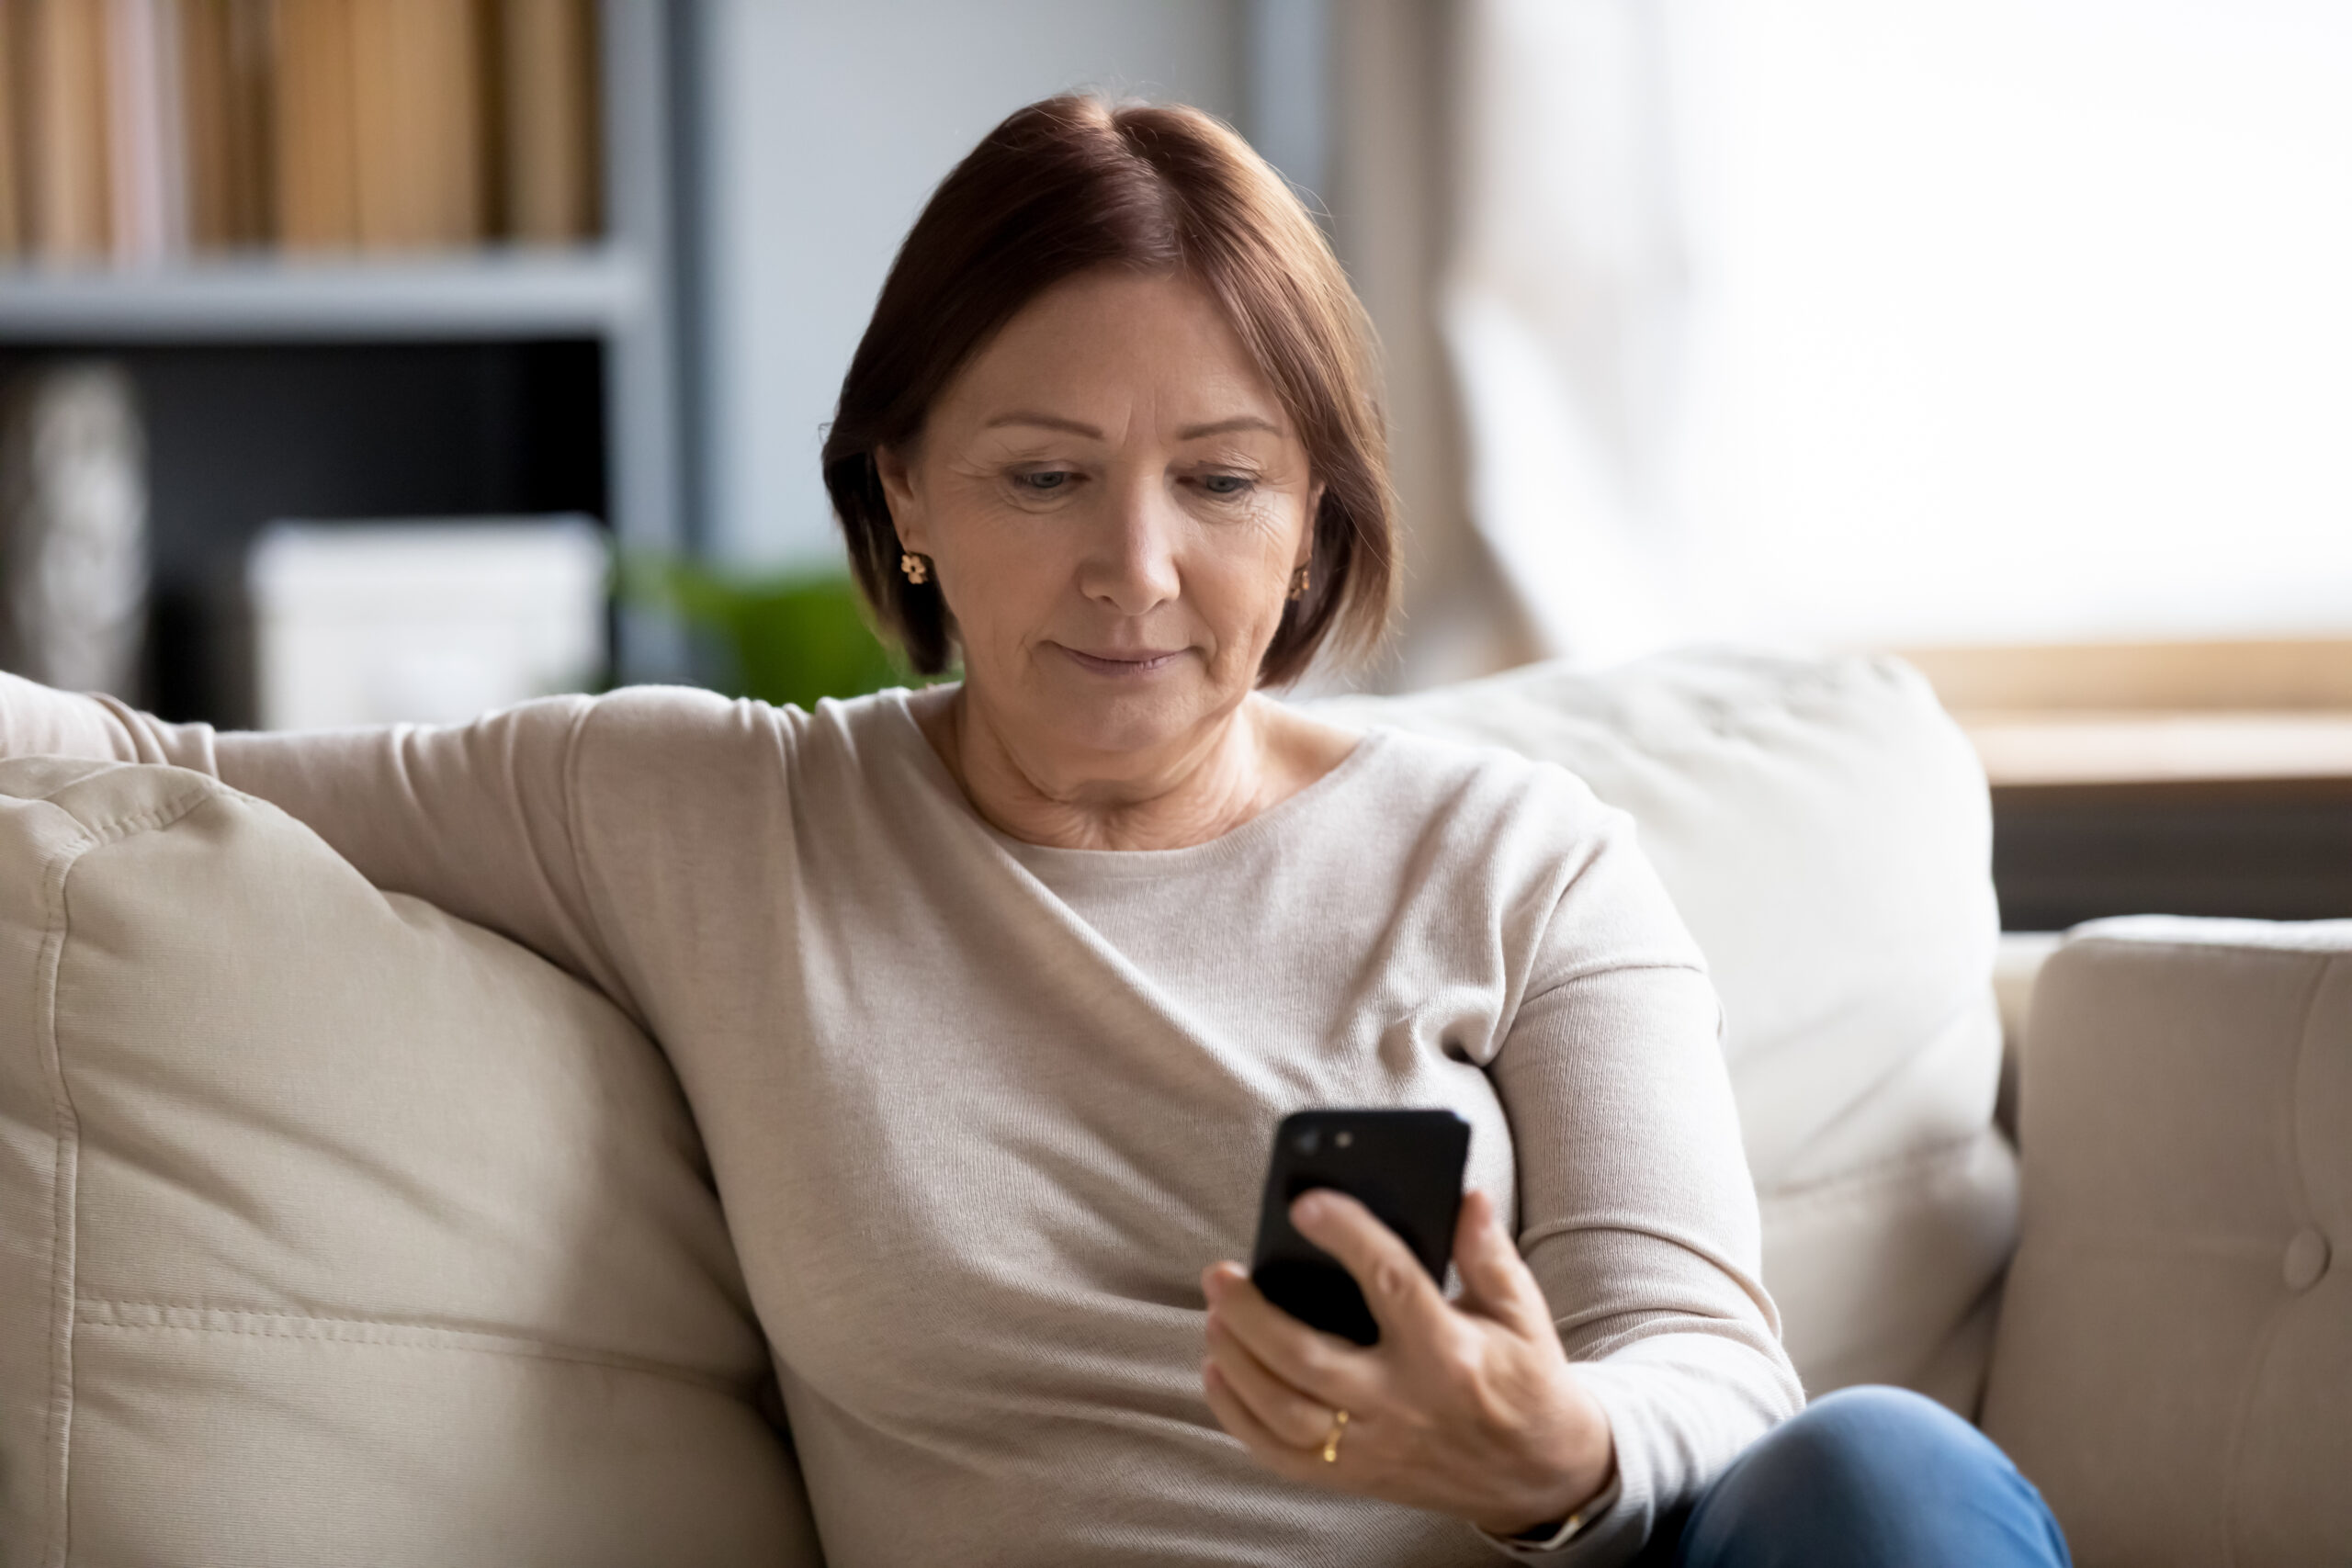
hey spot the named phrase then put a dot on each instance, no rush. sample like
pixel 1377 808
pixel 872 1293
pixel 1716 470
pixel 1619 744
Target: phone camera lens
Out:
pixel 1308 1141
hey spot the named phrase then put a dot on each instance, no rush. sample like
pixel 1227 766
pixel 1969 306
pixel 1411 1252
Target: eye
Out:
pixel 1045 481
pixel 1225 484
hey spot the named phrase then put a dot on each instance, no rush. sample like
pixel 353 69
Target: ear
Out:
pixel 897 474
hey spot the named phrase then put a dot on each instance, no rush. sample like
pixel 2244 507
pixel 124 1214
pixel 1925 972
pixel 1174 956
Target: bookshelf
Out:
pixel 587 293
pixel 407 380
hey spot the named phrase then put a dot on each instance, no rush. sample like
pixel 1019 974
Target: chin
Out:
pixel 1116 718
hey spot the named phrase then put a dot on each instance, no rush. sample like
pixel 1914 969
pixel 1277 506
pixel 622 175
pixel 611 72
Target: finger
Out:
pixel 1322 1366
pixel 1236 1419
pixel 1496 1280
pixel 1403 1298
pixel 1294 1417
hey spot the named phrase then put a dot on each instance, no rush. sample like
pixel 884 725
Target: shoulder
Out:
pixel 682 743
pixel 1530 836
pixel 1488 792
pixel 695 718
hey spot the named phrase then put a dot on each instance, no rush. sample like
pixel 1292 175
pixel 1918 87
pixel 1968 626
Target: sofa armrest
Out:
pixel 2175 1342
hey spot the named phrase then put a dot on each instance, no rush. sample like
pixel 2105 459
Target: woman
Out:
pixel 988 997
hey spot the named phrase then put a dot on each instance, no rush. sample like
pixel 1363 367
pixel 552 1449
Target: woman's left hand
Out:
pixel 1467 1408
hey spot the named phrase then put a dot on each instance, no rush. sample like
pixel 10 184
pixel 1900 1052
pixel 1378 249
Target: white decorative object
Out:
pixel 73 529
pixel 431 622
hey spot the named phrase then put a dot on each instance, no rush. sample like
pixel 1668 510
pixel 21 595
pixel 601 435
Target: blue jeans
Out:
pixel 1868 1476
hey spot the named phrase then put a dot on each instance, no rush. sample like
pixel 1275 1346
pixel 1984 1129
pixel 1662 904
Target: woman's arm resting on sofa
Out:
pixel 40 721
pixel 476 818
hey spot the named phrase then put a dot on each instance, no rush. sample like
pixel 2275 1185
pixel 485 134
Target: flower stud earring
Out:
pixel 917 570
pixel 1298 584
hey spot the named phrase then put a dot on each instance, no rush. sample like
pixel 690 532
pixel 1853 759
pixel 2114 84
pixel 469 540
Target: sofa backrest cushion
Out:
pixel 1825 829
pixel 335 1230
pixel 2174 1364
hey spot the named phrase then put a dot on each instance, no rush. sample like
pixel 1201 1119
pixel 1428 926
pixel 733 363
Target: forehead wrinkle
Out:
pixel 1046 421
pixel 1228 426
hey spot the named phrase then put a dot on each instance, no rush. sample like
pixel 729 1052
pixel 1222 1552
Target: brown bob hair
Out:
pixel 1073 183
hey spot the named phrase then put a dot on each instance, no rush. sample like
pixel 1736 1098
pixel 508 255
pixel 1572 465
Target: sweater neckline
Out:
pixel 1049 859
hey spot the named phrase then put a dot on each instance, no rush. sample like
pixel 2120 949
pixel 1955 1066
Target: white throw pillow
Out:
pixel 334 1230
pixel 1824 829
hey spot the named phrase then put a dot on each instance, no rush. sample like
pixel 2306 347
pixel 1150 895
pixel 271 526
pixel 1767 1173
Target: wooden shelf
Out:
pixel 2044 748
pixel 493 294
pixel 2271 675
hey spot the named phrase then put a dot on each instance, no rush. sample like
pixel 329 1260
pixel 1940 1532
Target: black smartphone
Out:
pixel 1404 1166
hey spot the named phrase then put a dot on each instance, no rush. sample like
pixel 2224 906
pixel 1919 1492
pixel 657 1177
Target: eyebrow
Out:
pixel 1077 427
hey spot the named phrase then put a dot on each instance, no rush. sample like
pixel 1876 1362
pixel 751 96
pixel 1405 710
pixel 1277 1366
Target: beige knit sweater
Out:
pixel 980 1111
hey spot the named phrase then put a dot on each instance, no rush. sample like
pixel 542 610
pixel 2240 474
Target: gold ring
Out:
pixel 1331 1438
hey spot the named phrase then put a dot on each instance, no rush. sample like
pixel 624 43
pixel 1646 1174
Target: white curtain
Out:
pixel 1904 321
pixel 1565 306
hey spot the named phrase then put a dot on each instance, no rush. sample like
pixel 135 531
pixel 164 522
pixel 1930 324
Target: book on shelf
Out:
pixel 57 105
pixel 421 124
pixel 138 132
pixel 549 107
pixel 316 132
pixel 228 97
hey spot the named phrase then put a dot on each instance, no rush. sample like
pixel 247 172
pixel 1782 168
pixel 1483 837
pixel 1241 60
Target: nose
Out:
pixel 1132 564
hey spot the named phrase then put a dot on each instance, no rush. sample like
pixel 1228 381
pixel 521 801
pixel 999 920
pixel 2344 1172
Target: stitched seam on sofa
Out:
pixel 2233 1451
pixel 2234 1471
pixel 2307 1048
pixel 2287 944
pixel 67 1120
pixel 2104 1242
pixel 1846 1184
pixel 172 1318
pixel 114 830
pixel 67 1123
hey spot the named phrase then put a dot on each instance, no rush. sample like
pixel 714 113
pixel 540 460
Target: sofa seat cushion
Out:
pixel 1826 832
pixel 2173 1362
pixel 335 1230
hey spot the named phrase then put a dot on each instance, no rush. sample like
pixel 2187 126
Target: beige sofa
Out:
pixel 335 1230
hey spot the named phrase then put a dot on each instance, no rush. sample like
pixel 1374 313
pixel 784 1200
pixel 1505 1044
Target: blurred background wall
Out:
pixel 815 133
pixel 821 131
pixel 2008 334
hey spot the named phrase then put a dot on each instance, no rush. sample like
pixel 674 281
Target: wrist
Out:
pixel 1575 1472
pixel 1542 1520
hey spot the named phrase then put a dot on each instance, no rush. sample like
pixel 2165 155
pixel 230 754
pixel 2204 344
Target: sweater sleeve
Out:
pixel 1636 1212
pixel 477 817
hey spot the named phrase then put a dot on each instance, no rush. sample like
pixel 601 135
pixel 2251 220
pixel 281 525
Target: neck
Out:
pixel 1203 784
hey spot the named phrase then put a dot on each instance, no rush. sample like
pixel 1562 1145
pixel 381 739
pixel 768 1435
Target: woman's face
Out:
pixel 1114 504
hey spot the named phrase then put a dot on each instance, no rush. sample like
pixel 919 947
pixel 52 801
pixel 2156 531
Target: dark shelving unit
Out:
pixel 504 381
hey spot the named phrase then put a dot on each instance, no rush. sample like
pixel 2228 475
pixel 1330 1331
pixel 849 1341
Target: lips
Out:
pixel 1121 663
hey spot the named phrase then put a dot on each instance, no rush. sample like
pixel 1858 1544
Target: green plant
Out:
pixel 791 637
